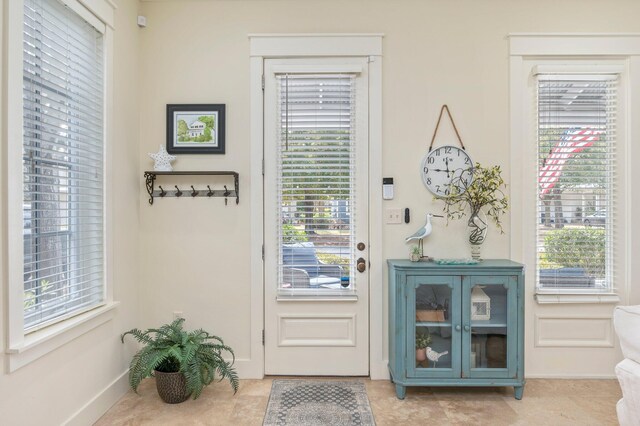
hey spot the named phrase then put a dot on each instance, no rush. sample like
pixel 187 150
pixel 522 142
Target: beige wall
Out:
pixel 195 252
pixel 191 255
pixel 51 389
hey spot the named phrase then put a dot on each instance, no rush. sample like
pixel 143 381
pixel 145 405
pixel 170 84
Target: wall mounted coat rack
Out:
pixel 150 177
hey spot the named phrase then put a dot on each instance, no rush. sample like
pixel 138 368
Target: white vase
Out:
pixel 477 225
pixel 476 250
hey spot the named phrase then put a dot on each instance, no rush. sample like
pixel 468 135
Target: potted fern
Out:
pixel 183 362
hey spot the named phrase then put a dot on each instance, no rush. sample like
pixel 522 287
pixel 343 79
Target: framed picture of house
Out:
pixel 195 128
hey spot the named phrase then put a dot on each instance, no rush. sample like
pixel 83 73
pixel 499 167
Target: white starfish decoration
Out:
pixel 162 160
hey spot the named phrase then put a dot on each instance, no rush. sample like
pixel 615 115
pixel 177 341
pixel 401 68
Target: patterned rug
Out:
pixel 316 402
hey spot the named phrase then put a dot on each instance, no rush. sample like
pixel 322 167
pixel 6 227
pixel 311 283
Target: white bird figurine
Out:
pixel 423 232
pixel 434 356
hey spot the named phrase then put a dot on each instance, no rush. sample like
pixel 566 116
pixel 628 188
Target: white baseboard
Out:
pixel 99 404
pixel 248 369
pixel 571 376
pixel 379 370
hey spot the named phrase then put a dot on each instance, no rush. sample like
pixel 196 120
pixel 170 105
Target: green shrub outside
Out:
pixel 334 259
pixel 581 247
pixel 291 234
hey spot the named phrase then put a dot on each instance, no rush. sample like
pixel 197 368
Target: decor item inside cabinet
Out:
pixel 474 315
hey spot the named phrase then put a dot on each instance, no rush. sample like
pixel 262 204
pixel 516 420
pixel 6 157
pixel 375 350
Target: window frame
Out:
pixel 554 73
pixel 346 68
pixel 24 347
pixel 572 52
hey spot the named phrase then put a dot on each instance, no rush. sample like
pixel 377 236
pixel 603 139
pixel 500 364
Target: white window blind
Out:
pixel 63 163
pixel 576 161
pixel 316 180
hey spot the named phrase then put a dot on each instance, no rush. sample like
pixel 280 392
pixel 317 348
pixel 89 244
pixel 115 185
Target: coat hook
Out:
pixel 178 192
pixel 210 193
pixel 162 191
pixel 226 194
pixel 194 193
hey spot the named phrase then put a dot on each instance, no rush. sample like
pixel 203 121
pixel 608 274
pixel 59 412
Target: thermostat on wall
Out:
pixel 387 188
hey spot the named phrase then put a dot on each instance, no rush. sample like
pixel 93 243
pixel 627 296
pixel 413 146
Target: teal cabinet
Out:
pixel 472 317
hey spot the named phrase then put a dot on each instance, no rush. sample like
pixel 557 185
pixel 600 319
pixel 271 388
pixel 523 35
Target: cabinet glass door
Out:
pixel 489 326
pixel 432 341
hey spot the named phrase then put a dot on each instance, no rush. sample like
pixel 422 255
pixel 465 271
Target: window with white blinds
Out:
pixel 315 180
pixel 63 163
pixel 576 117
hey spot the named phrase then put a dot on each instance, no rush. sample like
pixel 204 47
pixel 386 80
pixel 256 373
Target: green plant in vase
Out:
pixel 415 254
pixel 183 362
pixel 422 341
pixel 481 198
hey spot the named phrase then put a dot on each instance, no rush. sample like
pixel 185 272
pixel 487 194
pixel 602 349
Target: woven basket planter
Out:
pixel 172 387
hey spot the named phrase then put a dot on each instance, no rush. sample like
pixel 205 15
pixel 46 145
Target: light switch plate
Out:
pixel 393 216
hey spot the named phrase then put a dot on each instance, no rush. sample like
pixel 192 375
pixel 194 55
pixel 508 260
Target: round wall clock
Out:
pixel 445 166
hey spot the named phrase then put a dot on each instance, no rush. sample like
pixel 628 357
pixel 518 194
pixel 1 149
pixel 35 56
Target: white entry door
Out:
pixel 316 217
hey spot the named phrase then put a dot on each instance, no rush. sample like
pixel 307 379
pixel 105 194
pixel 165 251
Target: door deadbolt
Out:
pixel 360 246
pixel 361 265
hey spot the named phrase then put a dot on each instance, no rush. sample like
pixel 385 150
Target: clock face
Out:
pixel 446 167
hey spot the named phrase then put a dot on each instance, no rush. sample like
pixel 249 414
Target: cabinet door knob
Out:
pixel 466 328
pixel 457 328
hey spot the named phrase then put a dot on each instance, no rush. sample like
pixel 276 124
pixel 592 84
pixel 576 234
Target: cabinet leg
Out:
pixel 518 390
pixel 401 391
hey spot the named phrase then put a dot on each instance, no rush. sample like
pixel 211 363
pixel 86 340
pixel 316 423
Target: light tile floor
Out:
pixel 545 402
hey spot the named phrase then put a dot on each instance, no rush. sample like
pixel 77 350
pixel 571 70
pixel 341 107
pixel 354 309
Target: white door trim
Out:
pixel 265 46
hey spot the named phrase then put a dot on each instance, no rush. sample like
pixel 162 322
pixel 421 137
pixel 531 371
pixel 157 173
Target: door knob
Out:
pixel 361 265
pixel 466 328
pixel 457 328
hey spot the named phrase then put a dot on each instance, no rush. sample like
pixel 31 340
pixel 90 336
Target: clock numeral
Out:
pixel 428 181
pixel 466 160
pixel 438 152
pixel 426 170
pixel 447 192
pixel 447 150
pixel 431 160
pixel 437 188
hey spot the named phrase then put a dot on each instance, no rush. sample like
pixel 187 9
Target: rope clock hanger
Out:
pixel 446 168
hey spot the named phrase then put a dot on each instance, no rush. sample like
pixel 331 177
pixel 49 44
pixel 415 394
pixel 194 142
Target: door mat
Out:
pixel 318 402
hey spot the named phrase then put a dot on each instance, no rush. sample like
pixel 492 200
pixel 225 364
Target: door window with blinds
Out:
pixel 576 118
pixel 62 162
pixel 315 178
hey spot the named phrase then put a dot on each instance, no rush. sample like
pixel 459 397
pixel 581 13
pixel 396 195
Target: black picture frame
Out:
pixel 199 122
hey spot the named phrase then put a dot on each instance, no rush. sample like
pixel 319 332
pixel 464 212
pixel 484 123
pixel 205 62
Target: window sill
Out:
pixel 323 296
pixel 41 342
pixel 555 298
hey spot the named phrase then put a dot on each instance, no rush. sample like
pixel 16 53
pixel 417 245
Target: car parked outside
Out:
pixel 598 218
